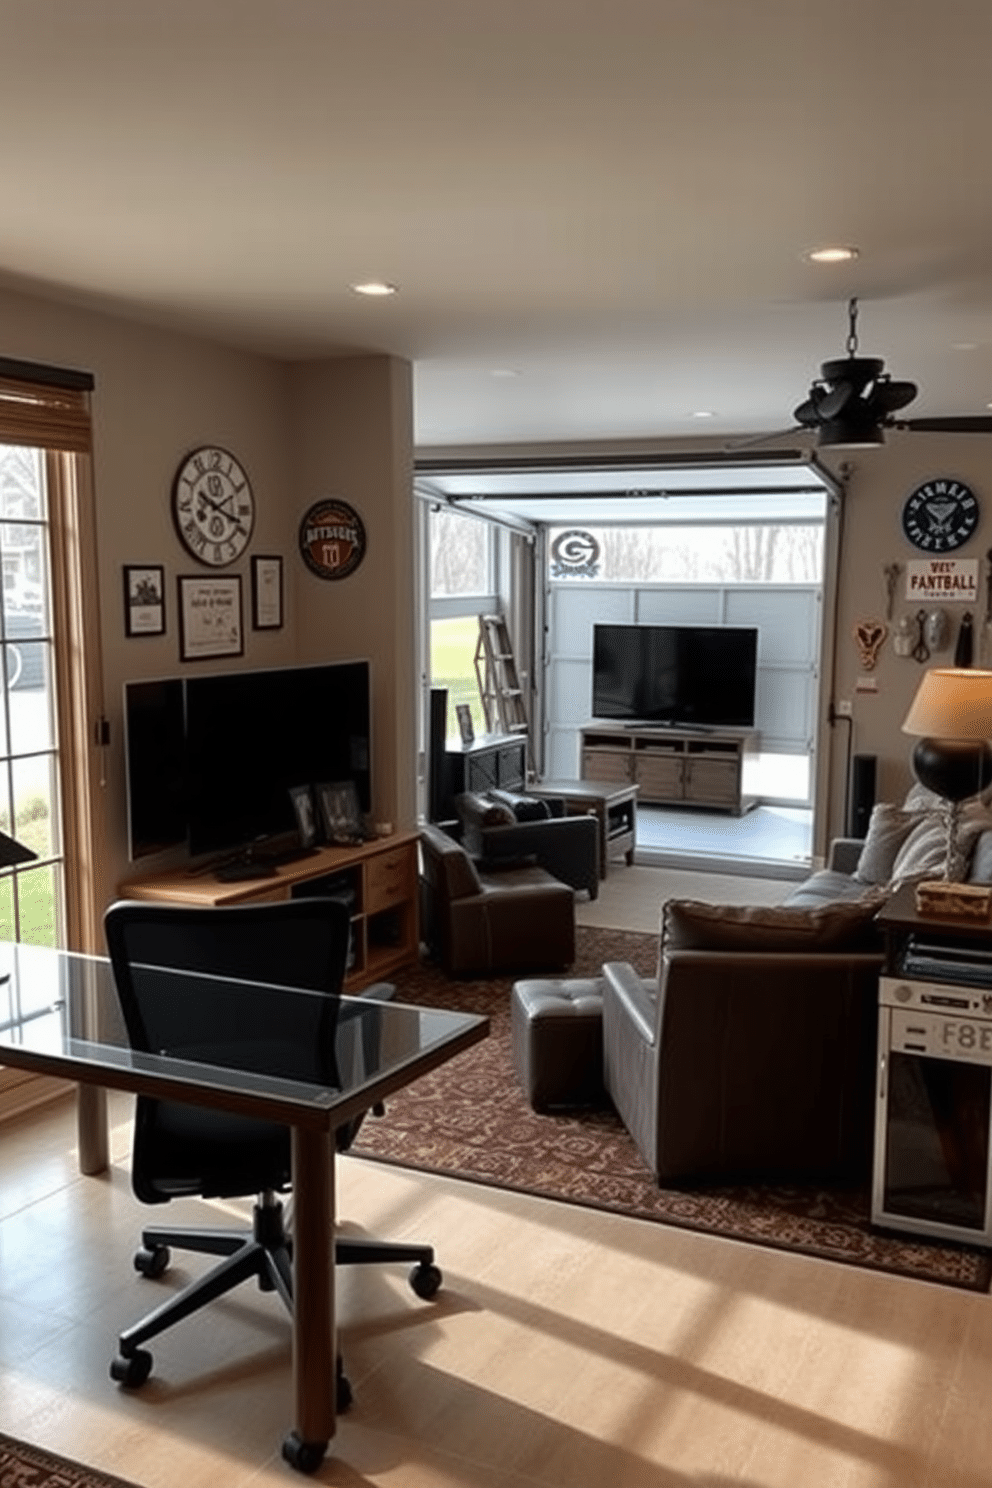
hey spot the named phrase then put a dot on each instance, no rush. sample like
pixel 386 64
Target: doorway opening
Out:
pixel 704 541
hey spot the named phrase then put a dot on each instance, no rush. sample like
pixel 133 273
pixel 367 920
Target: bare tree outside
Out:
pixel 459 555
pixel 745 553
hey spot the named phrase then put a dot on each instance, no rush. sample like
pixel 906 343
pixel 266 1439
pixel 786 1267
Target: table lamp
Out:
pixel 952 716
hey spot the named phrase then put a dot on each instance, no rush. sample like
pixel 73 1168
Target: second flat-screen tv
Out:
pixel 211 759
pixel 695 675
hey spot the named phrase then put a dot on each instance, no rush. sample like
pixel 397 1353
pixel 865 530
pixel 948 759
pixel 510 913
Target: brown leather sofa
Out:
pixel 752 1054
pixel 516 919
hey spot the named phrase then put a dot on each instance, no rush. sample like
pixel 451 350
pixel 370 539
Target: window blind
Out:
pixel 46 407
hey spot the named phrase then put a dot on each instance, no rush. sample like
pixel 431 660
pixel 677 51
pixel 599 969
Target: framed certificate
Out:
pixel 266 593
pixel 209 617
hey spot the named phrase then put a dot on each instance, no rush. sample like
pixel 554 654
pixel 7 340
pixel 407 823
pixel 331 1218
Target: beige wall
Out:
pixel 160 394
pixel 352 438
pixel 877 489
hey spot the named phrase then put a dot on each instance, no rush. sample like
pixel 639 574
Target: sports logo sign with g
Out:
pixel 574 555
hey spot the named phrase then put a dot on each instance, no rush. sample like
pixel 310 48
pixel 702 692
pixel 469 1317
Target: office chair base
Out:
pixel 265 1253
pixel 425 1278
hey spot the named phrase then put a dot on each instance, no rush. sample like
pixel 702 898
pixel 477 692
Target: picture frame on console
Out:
pixel 306 816
pixel 340 812
pixel 465 727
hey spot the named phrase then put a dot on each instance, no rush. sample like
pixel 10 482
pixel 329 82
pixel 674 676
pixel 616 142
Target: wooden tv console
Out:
pixel 378 879
pixel 671 766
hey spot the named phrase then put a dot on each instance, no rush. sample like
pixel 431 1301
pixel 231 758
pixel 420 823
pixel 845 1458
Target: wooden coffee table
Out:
pixel 613 805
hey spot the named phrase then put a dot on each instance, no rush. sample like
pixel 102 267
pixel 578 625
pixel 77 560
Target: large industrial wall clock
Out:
pixel 940 515
pixel 213 506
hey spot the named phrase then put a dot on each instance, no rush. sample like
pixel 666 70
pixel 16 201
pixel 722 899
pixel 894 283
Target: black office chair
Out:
pixel 180 1150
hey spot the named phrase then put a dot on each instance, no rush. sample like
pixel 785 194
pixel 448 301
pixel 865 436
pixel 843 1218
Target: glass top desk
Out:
pixel 59 1015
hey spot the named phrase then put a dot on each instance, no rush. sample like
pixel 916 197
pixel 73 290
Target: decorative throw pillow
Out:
pixel 524 808
pixel 924 852
pixel 478 811
pixel 689 925
pixel 888 828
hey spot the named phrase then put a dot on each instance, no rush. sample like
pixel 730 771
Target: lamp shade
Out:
pixel 952 703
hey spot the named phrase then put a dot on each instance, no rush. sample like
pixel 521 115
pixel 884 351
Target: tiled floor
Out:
pixel 771 841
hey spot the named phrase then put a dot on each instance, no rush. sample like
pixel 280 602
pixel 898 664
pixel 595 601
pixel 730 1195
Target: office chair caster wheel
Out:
pixel 132 1370
pixel 152 1260
pixel 306 1457
pixel 426 1281
pixel 343 1397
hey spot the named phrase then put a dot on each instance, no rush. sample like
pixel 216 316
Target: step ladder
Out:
pixel 496 672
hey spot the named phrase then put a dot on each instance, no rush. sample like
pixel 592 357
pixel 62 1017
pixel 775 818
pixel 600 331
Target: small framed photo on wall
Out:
pixel 144 599
pixel 266 593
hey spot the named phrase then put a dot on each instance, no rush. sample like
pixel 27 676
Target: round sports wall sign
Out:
pixel 332 539
pixel 940 515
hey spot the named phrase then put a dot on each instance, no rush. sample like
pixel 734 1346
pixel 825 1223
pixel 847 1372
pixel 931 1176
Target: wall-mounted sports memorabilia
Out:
pixel 940 515
pixel 332 539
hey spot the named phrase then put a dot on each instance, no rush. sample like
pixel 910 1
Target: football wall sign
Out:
pixel 332 539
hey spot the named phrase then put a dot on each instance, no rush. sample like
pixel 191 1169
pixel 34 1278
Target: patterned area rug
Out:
pixel 470 1120
pixel 22 1466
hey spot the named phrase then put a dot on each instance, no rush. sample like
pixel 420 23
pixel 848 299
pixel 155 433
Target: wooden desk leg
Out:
pixel 314 1354
pixel 93 1147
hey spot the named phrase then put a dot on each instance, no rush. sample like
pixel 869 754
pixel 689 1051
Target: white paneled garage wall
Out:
pixel 787 617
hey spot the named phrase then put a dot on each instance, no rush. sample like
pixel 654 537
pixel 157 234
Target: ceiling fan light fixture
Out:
pixel 856 429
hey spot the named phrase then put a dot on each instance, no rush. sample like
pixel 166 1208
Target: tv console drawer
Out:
pixel 388 878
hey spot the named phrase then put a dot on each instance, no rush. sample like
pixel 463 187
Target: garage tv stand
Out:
pixel 673 765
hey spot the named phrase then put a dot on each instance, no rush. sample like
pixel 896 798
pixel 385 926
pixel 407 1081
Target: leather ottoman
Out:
pixel 557 1037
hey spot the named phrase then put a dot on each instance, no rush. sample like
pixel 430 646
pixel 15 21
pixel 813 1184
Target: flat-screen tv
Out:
pixel 211 759
pixel 695 675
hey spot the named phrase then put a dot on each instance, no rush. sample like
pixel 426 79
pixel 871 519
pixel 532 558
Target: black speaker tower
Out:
pixel 436 763
pixel 862 794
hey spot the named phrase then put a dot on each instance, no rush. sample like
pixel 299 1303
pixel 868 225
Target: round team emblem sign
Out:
pixel 940 515
pixel 574 554
pixel 332 539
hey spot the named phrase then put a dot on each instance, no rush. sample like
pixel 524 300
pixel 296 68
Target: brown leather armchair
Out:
pixel 566 846
pixel 746 1063
pixel 513 920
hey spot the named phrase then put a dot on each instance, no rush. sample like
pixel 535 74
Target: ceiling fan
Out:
pixel 854 400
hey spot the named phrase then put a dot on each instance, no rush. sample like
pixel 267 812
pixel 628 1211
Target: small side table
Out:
pixel 614 806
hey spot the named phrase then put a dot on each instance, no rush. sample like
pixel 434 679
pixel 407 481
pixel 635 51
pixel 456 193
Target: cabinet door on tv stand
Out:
pixel 660 776
pixel 612 765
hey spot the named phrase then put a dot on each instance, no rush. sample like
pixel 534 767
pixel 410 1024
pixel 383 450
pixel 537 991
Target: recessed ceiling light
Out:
pixel 504 372
pixel 374 287
pixel 964 346
pixel 704 413
pixel 831 254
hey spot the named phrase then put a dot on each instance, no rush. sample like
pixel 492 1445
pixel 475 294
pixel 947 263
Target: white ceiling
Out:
pixel 595 210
